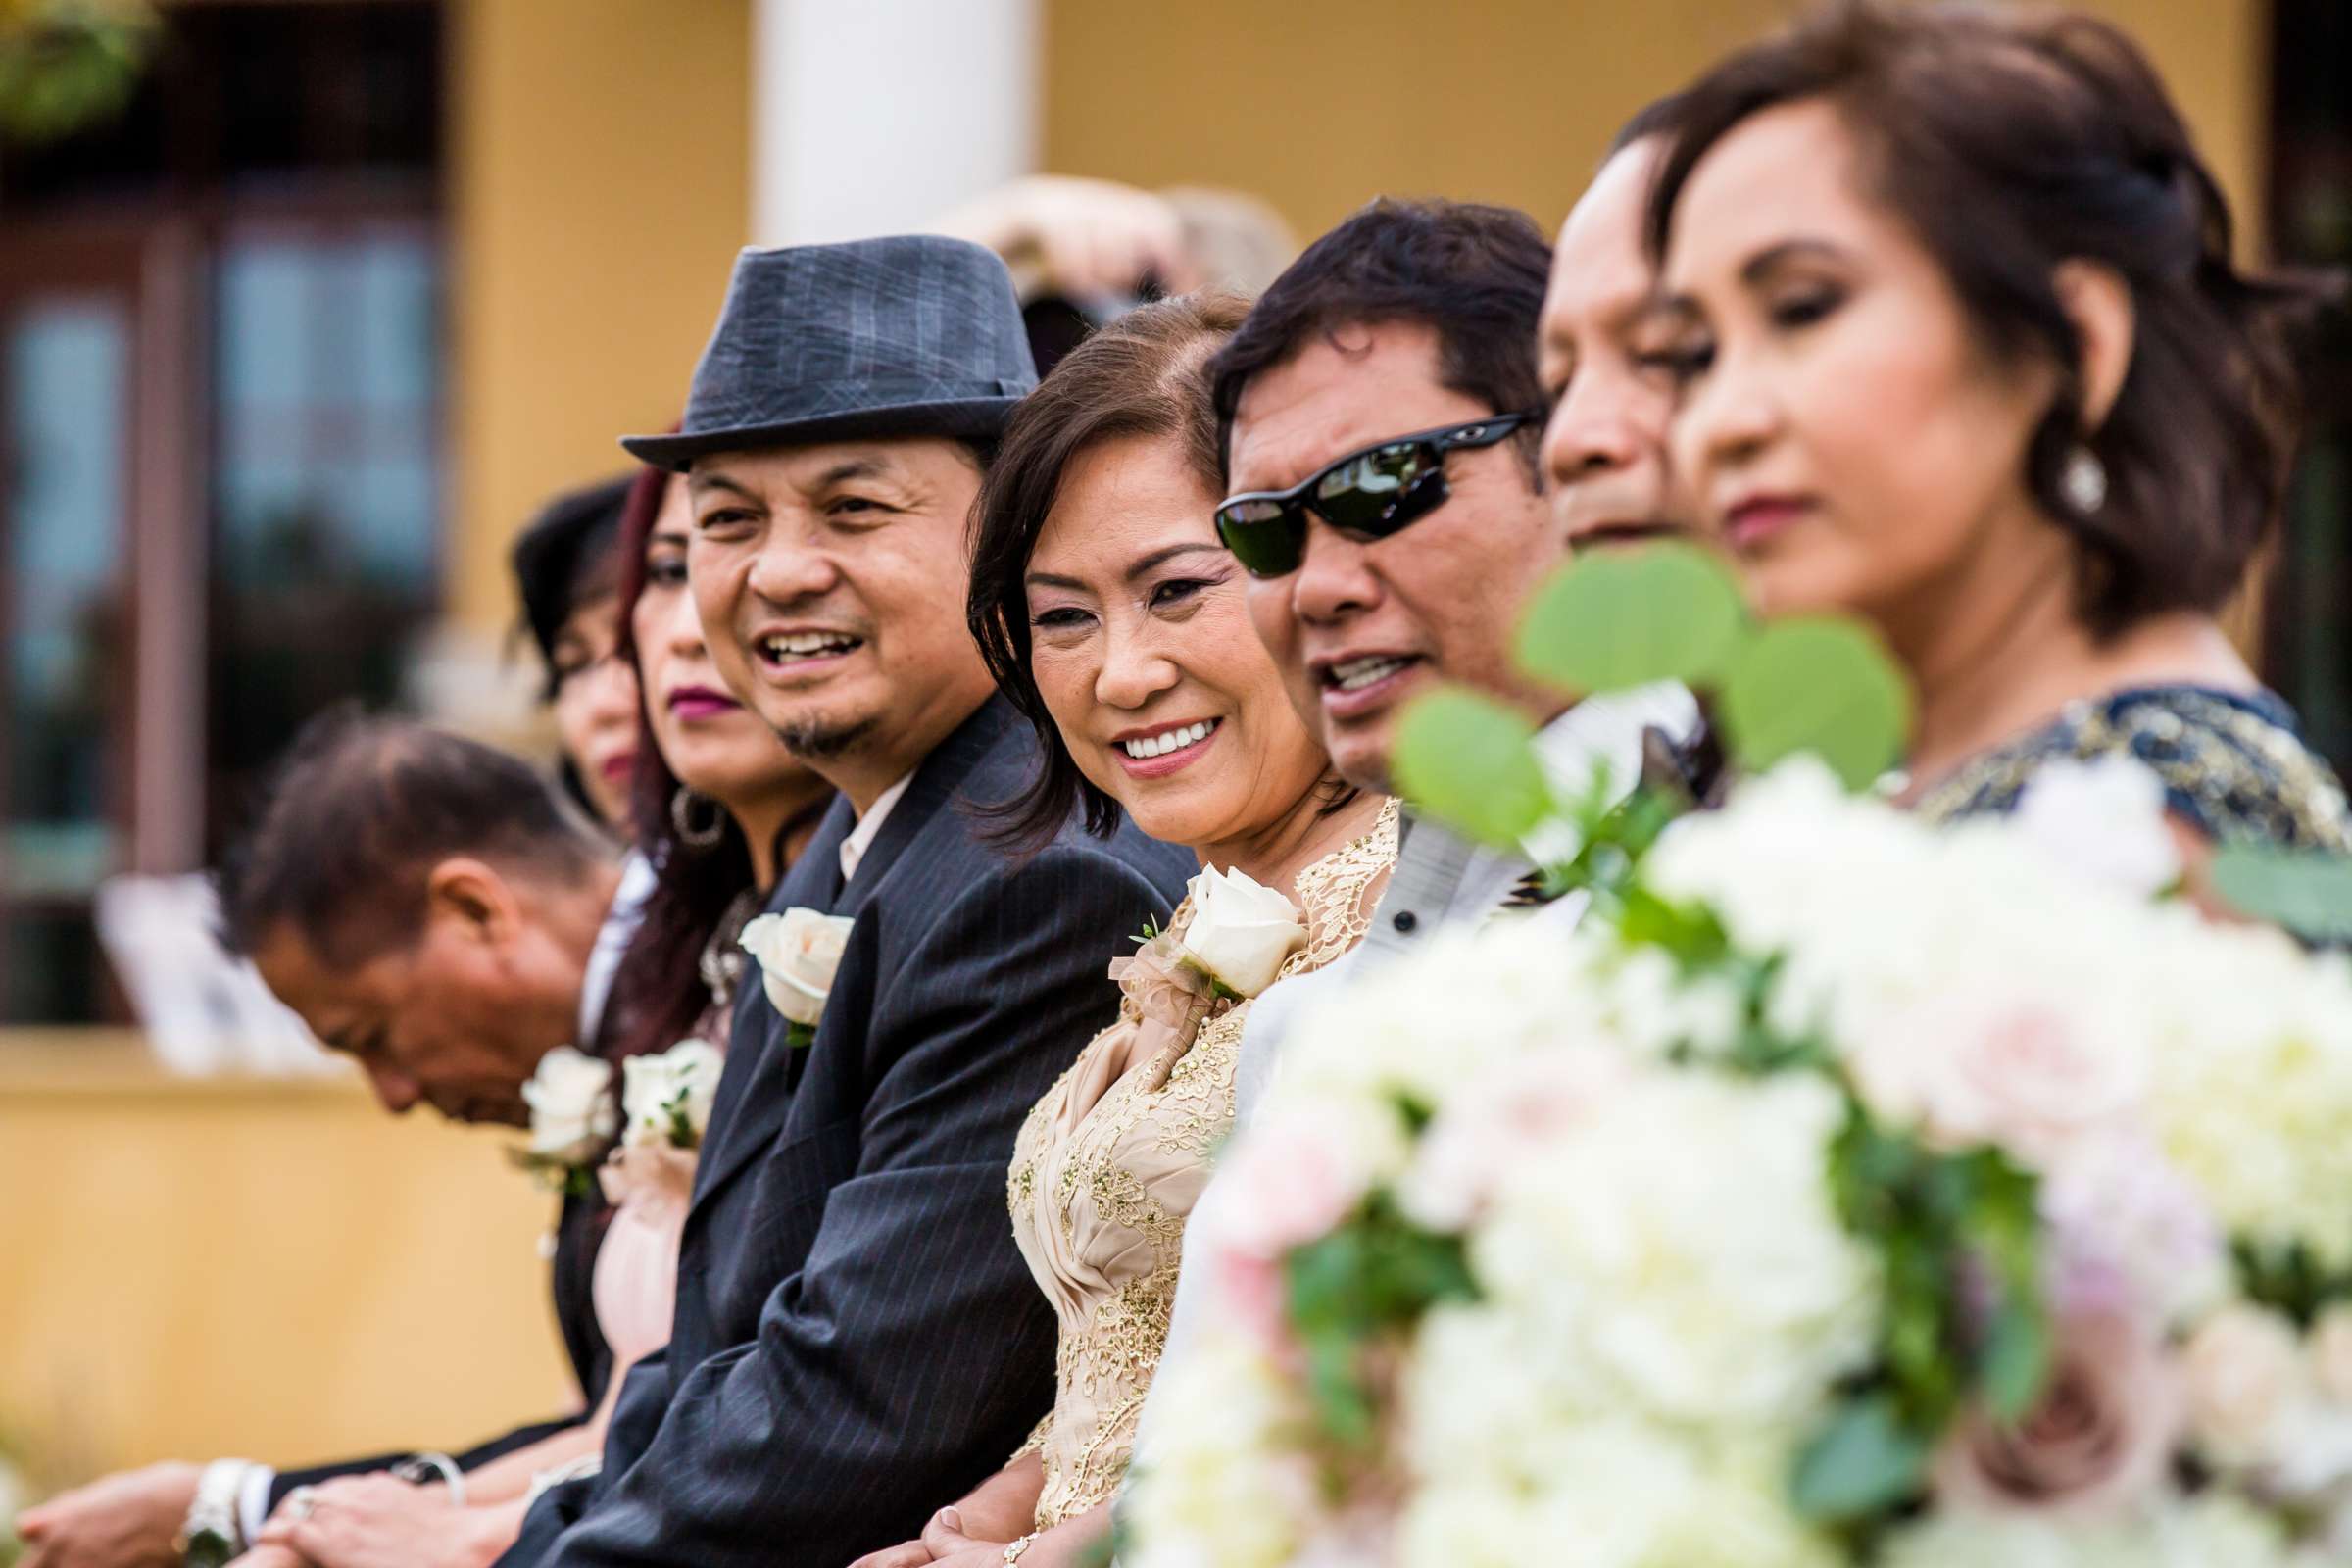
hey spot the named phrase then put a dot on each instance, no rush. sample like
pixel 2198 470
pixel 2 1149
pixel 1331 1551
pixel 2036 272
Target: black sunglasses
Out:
pixel 1366 494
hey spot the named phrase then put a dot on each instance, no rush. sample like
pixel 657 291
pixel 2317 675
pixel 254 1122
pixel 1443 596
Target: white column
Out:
pixel 874 116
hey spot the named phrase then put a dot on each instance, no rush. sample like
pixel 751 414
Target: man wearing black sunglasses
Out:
pixel 1380 416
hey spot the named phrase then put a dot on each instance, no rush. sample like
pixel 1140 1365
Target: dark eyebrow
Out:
pixel 1135 573
pixel 1160 558
pixel 698 480
pixel 1775 256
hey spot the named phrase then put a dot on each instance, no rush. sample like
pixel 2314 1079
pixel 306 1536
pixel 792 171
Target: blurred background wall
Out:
pixel 295 334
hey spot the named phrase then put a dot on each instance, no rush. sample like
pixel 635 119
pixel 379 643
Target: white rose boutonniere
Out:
pixel 665 1099
pixel 798 952
pixel 1241 931
pixel 572 1114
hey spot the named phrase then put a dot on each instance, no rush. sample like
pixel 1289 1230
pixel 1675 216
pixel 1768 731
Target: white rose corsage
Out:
pixel 572 1118
pixel 1241 933
pixel 797 953
pixel 666 1103
pixel 665 1099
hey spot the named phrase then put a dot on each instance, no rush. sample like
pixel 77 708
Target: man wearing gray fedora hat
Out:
pixel 856 1334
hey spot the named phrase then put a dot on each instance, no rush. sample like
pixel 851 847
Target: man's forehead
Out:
pixel 1598 267
pixel 1343 389
pixel 330 999
pixel 900 459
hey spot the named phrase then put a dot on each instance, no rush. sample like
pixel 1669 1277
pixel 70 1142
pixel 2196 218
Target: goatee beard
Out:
pixel 816 741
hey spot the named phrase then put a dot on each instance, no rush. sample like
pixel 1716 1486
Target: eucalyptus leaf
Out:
pixel 1469 760
pixel 2016 1361
pixel 1862 1464
pixel 2307 893
pixel 1820 685
pixel 1620 618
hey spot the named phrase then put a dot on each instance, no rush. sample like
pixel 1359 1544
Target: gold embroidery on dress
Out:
pixel 1114 1297
pixel 2247 775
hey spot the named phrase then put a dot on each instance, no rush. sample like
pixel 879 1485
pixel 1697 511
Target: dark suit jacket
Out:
pixel 579 1228
pixel 857 1341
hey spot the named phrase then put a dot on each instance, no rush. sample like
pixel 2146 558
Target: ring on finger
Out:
pixel 302 1502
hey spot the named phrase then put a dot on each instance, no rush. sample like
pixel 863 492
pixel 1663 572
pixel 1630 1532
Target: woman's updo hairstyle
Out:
pixel 1141 375
pixel 2010 142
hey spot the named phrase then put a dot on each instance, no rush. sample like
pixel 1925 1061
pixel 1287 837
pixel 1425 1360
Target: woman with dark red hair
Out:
pixel 718 809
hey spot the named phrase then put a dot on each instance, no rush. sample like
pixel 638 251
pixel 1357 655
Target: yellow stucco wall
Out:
pixel 278 1270
pixel 1319 105
pixel 600 177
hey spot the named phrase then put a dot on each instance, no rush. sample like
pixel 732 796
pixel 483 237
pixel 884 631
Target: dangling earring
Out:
pixel 2083 480
pixel 702 835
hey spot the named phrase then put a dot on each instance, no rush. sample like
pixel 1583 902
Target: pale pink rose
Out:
pixel 1296 1176
pixel 1492 1129
pixel 2129 1233
pixel 2033 1076
pixel 2100 1439
pixel 2246 1374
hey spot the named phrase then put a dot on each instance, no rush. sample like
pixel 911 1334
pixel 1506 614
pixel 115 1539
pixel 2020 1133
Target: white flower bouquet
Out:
pixel 1840 1192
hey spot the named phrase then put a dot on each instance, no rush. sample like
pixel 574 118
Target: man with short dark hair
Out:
pixel 1383 415
pixel 856 1334
pixel 425 905
pixel 428 907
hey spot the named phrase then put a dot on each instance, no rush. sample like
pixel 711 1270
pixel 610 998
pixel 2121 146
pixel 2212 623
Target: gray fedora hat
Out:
pixel 913 335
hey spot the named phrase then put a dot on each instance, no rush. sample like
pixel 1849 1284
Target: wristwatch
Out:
pixel 212 1535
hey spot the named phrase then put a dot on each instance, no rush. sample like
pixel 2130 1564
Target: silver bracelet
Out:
pixel 213 1533
pixel 1013 1552
pixel 424 1469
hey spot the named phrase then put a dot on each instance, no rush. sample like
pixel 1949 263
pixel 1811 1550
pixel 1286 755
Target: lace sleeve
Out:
pixel 1037 1440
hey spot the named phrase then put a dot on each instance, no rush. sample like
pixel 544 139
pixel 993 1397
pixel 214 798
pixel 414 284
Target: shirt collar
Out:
pixel 869 826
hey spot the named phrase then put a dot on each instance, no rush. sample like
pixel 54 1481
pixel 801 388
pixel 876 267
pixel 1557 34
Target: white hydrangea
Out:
pixel 2216 1531
pixel 1217 1481
pixel 1679 1257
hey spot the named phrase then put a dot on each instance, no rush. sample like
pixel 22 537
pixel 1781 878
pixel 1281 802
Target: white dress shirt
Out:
pixel 861 837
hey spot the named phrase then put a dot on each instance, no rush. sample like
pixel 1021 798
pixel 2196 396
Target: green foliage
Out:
pixel 1812 684
pixel 2289 1279
pixel 1958 1241
pixel 66 63
pixel 1621 618
pixel 1352 1291
pixel 1863 1464
pixel 1467 758
pixel 799 1035
pixel 2302 892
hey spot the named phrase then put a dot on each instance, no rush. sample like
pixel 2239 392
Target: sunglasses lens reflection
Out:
pixel 1264 536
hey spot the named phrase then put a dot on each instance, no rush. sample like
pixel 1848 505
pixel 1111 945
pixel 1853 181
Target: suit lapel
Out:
pixel 931 791
pixel 814 882
pixel 754 1095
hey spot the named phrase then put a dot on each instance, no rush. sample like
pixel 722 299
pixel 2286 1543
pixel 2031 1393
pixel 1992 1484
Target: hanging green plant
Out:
pixel 68 64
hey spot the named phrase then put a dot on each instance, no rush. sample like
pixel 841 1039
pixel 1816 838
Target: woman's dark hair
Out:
pixel 2010 143
pixel 1474 275
pixel 564 557
pixel 658 989
pixel 1145 374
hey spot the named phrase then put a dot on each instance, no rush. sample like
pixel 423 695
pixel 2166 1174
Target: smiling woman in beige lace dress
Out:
pixel 1113 618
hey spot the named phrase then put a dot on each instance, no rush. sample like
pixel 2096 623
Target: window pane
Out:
pixel 66 658
pixel 327 481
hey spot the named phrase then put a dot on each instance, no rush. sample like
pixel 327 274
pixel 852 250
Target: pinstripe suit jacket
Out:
pixel 857 1340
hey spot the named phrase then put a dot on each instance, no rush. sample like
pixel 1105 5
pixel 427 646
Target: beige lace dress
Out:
pixel 1108 1166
